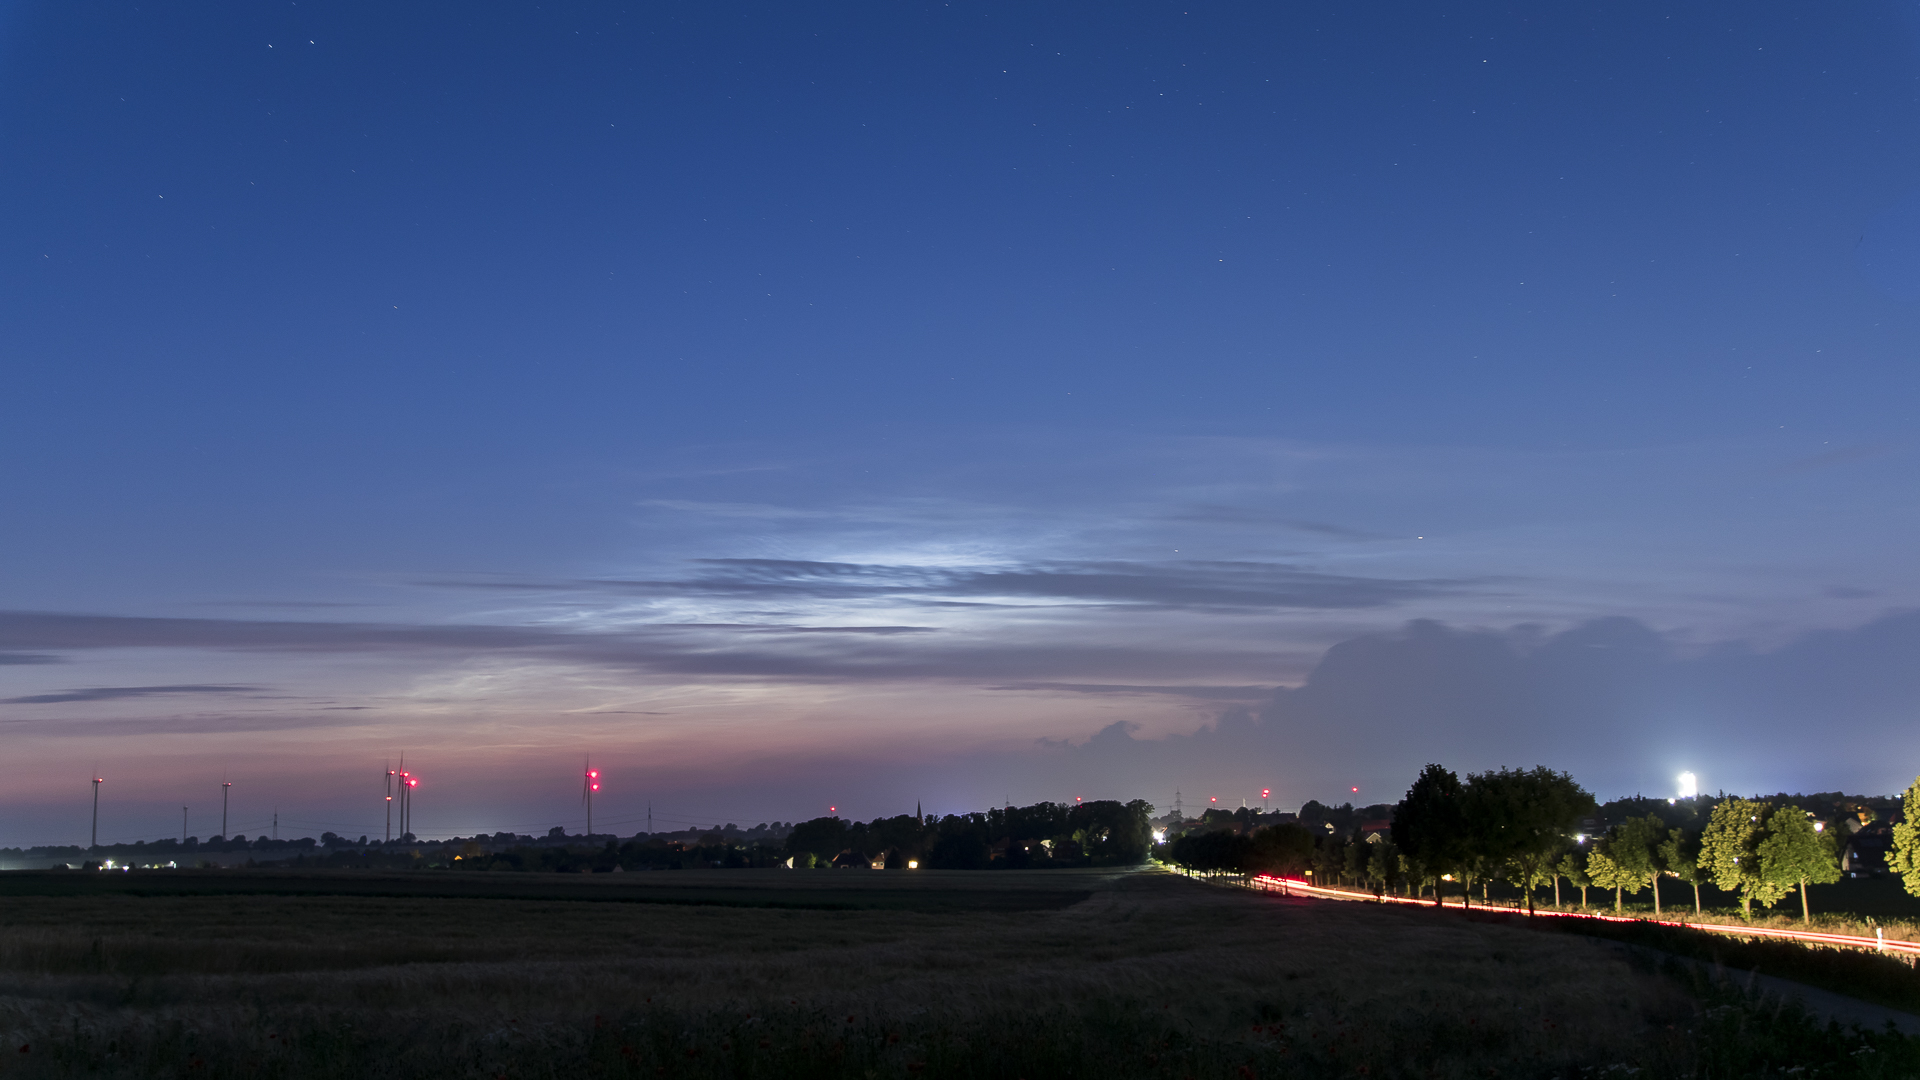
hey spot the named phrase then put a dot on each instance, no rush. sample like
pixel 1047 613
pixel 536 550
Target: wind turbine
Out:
pixel 588 786
pixel 390 775
pixel 94 842
pixel 406 786
pixel 226 786
pixel 408 782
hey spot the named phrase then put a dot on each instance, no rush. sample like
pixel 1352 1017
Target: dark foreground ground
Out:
pixel 841 974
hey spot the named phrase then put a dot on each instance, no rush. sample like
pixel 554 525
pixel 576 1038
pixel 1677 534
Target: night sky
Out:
pixel 795 405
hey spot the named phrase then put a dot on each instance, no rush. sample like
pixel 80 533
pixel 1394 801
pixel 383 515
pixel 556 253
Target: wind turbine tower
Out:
pixel 389 802
pixel 590 785
pixel 405 779
pixel 226 787
pixel 94 841
pixel 408 782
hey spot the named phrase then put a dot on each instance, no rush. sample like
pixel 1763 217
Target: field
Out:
pixel 835 974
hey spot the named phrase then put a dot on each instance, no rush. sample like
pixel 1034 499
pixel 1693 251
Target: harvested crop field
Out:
pixel 790 973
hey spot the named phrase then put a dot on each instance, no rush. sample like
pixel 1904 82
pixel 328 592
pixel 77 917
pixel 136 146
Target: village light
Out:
pixel 913 864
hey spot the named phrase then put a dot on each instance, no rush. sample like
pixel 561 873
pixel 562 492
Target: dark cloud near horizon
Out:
pixel 1618 704
pixel 116 693
pixel 15 659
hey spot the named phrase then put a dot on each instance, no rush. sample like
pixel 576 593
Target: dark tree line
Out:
pixel 1522 827
pixel 1103 833
pixel 1047 834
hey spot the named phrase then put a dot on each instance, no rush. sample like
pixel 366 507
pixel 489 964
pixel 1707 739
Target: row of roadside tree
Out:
pixel 1523 827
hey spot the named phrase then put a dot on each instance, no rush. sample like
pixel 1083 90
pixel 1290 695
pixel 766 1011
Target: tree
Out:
pixel 1329 859
pixel 1354 861
pixel 1417 875
pixel 823 838
pixel 1430 825
pixel 1796 853
pixel 1282 849
pixel 1633 849
pixel 1730 851
pixel 1608 874
pixel 1220 851
pixel 1382 864
pixel 1519 818
pixel 1570 867
pixel 1905 858
pixel 1680 854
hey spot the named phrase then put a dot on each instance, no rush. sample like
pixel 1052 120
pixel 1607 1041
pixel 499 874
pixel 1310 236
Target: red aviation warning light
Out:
pixel 1265 792
pixel 593 779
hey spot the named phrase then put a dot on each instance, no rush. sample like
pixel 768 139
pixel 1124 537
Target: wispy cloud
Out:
pixel 17 659
pixel 1201 693
pixel 1197 585
pixel 115 693
pixel 851 654
pixel 1221 514
pixel 1845 455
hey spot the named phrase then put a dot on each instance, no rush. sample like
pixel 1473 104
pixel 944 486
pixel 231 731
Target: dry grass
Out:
pixel 1152 975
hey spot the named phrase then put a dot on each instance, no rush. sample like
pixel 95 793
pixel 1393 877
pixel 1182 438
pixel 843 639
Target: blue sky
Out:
pixel 850 406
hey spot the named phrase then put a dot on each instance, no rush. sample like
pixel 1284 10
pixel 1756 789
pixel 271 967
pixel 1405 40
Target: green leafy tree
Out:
pixel 1680 855
pixel 1282 849
pixel 1329 859
pixel 1416 874
pixel 1796 853
pixel 1730 851
pixel 1474 867
pixel 1572 867
pixel 1383 863
pixel 1354 861
pixel 1220 851
pixel 1608 874
pixel 1520 818
pixel 1905 857
pixel 1633 849
pixel 1430 824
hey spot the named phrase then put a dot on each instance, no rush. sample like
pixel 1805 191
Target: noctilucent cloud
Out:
pixel 881 404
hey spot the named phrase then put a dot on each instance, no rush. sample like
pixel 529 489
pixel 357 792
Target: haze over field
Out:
pixel 948 405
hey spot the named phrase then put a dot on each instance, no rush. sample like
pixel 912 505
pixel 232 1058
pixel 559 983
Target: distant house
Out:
pixel 1867 850
pixel 852 860
pixel 1377 832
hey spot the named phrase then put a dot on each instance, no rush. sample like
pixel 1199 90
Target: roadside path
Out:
pixel 1297 887
pixel 1821 1003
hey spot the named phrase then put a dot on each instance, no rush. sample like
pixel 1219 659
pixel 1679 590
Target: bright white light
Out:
pixel 1159 836
pixel 1689 785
